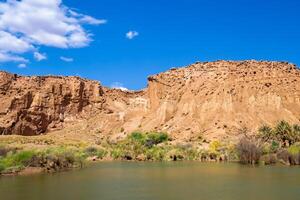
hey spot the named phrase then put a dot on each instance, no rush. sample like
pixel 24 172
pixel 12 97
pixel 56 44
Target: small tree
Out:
pixel 249 152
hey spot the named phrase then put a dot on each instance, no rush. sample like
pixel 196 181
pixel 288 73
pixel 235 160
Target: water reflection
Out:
pixel 181 180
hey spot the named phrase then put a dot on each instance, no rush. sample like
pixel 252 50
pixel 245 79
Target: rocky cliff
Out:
pixel 35 105
pixel 211 99
pixel 216 98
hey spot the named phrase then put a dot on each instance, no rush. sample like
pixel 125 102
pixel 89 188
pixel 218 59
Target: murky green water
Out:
pixel 171 181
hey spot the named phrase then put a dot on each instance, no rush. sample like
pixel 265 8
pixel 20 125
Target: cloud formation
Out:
pixel 7 57
pixel 119 86
pixel 22 65
pixel 132 34
pixel 27 24
pixel 66 59
pixel 39 56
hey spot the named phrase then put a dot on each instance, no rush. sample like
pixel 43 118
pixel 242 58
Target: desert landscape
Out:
pixel 146 100
pixel 207 108
pixel 213 99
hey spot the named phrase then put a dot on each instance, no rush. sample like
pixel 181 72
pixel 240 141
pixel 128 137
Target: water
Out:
pixel 170 181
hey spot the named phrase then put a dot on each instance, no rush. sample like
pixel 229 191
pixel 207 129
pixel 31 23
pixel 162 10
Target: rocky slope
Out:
pixel 211 100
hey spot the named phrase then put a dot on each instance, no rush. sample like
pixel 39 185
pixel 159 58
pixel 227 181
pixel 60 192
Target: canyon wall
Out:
pixel 213 99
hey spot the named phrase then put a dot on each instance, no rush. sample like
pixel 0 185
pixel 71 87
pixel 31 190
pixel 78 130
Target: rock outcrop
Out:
pixel 216 98
pixel 34 105
pixel 211 99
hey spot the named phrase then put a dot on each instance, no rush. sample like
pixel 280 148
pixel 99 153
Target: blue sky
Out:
pixel 170 34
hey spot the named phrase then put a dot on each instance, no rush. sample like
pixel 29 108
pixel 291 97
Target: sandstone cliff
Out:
pixel 211 99
pixel 35 105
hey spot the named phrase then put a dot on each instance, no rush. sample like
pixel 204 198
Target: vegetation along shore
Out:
pixel 270 145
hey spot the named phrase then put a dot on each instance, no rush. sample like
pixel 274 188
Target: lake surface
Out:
pixel 171 181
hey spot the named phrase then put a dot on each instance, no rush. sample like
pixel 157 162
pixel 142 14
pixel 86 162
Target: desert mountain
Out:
pixel 211 99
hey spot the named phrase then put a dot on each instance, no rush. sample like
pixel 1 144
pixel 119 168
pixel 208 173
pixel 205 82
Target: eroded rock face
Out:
pixel 216 98
pixel 34 105
pixel 213 99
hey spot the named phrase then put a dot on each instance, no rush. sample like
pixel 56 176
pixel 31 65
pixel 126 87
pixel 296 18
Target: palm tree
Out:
pixel 284 132
pixel 266 133
pixel 296 132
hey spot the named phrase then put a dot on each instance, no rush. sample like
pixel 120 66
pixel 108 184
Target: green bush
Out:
pixel 214 146
pixel 291 155
pixel 274 147
pixel 269 159
pixel 101 153
pixel 294 149
pixel 91 151
pixel 117 153
pixel 192 154
pixel 156 154
pixel 2 167
pixel 16 160
pixel 23 157
pixel 157 138
pixel 59 158
pixel 138 137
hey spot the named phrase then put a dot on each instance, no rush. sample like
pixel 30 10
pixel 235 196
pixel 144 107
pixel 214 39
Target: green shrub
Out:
pixel 138 137
pixel 146 139
pixel 156 154
pixel 232 153
pixel 214 146
pixel 23 157
pixel 117 153
pixel 137 144
pixel 294 149
pixel 157 138
pixel 192 154
pixel 274 146
pixel 93 151
pixel 291 155
pixel 2 167
pixel 269 148
pixel 14 161
pixel 58 158
pixel 101 153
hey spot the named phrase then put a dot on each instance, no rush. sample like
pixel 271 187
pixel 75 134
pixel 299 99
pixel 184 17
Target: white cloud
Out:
pixel 27 24
pixel 87 19
pixel 6 57
pixel 39 56
pixel 132 34
pixel 10 43
pixel 66 59
pixel 119 86
pixel 22 65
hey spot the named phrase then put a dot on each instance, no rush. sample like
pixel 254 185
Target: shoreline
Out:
pixel 147 147
pixel 29 171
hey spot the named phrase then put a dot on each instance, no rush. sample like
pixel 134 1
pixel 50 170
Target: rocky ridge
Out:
pixel 210 99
